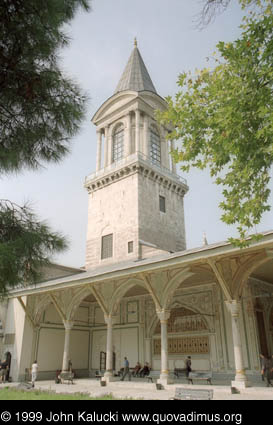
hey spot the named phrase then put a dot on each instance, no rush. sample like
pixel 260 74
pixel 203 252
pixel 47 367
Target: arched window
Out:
pixel 118 144
pixel 155 148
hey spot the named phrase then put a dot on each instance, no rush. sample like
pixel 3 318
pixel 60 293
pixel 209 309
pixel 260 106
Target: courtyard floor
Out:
pixel 139 388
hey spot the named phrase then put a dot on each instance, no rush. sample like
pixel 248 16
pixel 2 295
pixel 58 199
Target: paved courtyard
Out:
pixel 141 389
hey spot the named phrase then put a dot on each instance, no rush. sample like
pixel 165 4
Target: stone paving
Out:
pixel 141 389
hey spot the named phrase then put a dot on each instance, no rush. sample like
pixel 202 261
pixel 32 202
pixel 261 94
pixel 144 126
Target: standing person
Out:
pixel 188 366
pixel 3 371
pixel 126 369
pixel 262 360
pixel 34 372
pixel 268 368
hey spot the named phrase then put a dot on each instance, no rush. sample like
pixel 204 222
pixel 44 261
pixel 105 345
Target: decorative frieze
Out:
pixel 186 345
pixel 184 320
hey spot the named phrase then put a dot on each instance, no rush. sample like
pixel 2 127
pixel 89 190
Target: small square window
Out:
pixel 107 246
pixel 130 247
pixel 162 204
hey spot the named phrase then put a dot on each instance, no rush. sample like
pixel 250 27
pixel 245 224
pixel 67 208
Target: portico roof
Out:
pixel 204 256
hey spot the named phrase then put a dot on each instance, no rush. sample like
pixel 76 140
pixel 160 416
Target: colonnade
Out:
pixel 234 308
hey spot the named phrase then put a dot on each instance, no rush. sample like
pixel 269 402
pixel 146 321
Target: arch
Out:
pixel 172 285
pixel 173 307
pixel 245 271
pixel 121 291
pixel 76 301
pixel 40 308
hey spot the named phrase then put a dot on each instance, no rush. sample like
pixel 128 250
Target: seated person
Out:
pixel 145 370
pixel 136 369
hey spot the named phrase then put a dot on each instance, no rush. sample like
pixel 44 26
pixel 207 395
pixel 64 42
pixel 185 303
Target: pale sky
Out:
pixel 102 41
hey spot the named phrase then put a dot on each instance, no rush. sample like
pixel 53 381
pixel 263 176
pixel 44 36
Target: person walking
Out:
pixel 34 372
pixel 188 366
pixel 268 368
pixel 126 370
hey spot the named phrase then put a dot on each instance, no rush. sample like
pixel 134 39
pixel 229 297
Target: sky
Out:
pixel 101 43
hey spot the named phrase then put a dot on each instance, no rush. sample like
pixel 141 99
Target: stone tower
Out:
pixel 135 196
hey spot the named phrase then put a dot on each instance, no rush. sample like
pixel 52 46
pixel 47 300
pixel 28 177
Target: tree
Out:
pixel 40 111
pixel 224 118
pixel 25 245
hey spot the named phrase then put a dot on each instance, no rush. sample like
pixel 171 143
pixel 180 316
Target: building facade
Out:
pixel 142 294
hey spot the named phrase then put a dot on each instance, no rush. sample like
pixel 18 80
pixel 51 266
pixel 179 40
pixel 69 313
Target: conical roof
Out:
pixel 135 76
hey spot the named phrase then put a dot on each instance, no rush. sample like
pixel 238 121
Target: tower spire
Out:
pixel 135 76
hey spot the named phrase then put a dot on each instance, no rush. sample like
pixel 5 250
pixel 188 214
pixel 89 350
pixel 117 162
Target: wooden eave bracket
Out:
pixel 221 280
pixel 148 284
pixel 99 300
pixel 26 310
pixel 58 308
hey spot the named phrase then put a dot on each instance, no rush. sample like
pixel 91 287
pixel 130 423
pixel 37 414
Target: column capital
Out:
pixel 68 324
pixel 110 319
pixel 163 315
pixel 234 307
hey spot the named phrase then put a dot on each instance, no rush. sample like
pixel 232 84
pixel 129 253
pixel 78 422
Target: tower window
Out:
pixel 118 144
pixel 107 246
pixel 130 247
pixel 162 204
pixel 155 148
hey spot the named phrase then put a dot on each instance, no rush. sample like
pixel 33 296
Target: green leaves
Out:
pixel 25 245
pixel 40 109
pixel 224 118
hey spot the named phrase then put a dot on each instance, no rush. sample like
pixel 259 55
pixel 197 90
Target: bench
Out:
pixel 154 374
pixel 66 376
pixel 207 376
pixel 190 394
pixel 178 372
pixel 98 374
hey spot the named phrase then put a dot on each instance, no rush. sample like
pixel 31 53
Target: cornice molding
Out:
pixel 137 167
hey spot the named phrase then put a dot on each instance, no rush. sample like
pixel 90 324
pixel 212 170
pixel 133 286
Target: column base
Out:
pixel 108 378
pixel 164 380
pixel 241 384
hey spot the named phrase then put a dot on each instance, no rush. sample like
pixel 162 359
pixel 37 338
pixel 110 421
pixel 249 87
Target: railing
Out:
pixel 138 156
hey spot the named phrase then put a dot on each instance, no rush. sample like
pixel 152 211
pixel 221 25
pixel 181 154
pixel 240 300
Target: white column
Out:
pixel 34 350
pixel 240 377
pixel 99 140
pixel 127 141
pixel 146 136
pixel 68 326
pixel 173 163
pixel 108 375
pixel 106 131
pixel 137 140
pixel 110 142
pixel 148 351
pixel 164 374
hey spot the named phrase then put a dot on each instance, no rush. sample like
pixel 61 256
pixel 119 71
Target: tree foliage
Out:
pixel 224 117
pixel 25 245
pixel 40 111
